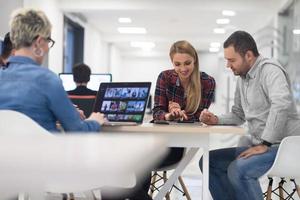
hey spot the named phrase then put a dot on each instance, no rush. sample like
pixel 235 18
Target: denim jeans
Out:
pixel 237 179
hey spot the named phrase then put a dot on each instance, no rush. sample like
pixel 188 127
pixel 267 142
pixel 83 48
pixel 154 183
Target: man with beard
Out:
pixel 263 99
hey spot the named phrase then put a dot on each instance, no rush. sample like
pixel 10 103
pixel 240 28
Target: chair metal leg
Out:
pixel 297 188
pixel 153 179
pixel 188 197
pixel 281 194
pixel 269 190
pixel 165 180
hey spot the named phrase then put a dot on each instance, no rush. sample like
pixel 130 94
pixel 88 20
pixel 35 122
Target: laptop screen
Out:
pixel 93 84
pixel 123 102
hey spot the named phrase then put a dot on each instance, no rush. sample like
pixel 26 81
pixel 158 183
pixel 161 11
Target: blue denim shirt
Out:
pixel 29 88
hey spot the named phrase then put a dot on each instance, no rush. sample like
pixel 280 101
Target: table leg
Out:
pixel 179 169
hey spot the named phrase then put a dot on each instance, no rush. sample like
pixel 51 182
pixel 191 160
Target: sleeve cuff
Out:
pixel 264 142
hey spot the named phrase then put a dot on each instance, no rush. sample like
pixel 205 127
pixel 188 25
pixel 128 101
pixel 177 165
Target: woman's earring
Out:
pixel 38 52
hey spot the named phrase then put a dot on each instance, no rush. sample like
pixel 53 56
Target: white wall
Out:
pixel 95 50
pixel 116 64
pixel 143 69
pixel 6 9
pixel 56 18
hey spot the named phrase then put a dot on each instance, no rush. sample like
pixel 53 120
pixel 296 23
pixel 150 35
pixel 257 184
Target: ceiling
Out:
pixel 167 21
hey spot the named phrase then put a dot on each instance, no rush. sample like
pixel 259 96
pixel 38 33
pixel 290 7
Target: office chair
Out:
pixel 287 167
pixel 34 160
pixel 157 178
pixel 84 102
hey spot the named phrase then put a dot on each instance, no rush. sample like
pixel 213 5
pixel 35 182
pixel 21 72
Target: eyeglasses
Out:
pixel 48 39
pixel 50 42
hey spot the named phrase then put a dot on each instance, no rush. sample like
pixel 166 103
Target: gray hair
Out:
pixel 26 25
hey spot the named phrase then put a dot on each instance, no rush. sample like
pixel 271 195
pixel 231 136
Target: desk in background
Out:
pixel 192 136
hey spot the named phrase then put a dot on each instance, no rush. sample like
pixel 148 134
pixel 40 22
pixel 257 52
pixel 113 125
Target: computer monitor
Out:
pixel 93 84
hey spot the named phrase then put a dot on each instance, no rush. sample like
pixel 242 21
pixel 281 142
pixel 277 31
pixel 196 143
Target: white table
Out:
pixel 192 136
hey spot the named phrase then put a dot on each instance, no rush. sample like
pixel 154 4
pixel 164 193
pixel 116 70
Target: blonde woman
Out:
pixel 29 88
pixel 183 92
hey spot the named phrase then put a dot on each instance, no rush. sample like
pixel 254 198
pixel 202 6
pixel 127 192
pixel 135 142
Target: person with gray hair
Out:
pixel 32 89
pixel 29 88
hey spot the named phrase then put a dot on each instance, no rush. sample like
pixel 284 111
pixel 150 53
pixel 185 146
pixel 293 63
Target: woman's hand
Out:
pixel 175 112
pixel 81 113
pixel 99 117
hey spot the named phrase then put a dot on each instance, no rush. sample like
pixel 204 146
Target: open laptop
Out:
pixel 123 103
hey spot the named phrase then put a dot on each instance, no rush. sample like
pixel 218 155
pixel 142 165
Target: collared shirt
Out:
pixel 168 88
pixel 37 92
pixel 263 98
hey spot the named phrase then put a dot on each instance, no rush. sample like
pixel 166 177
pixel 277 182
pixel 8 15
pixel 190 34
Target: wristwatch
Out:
pixel 268 144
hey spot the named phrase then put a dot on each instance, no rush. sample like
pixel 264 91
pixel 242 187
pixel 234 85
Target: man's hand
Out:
pixel 208 117
pixel 259 149
pixel 175 112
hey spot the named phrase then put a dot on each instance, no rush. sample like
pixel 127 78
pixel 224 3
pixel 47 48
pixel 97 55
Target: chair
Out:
pixel 84 102
pixel 34 161
pixel 285 166
pixel 157 178
pixel 13 122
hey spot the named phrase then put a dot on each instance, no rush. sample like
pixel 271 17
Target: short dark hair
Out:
pixel 81 73
pixel 7 46
pixel 242 42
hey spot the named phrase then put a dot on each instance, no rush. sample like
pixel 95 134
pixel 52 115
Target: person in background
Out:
pixel 32 89
pixel 263 99
pixel 7 50
pixel 183 92
pixel 81 76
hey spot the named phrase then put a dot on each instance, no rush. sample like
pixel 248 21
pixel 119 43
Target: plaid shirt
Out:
pixel 168 88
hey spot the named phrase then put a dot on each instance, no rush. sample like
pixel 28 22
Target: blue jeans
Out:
pixel 237 179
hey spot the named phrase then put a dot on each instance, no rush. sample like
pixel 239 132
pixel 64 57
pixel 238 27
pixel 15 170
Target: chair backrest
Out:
pixel 84 102
pixel 287 161
pixel 75 162
pixel 16 123
pixel 172 166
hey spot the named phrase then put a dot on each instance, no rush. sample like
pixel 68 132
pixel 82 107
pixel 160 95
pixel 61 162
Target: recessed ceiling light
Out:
pixel 124 20
pixel 215 44
pixel 214 49
pixel 223 21
pixel 219 30
pixel 296 31
pixel 132 30
pixel 228 13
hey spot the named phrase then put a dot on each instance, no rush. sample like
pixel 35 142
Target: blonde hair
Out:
pixel 26 25
pixel 193 90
